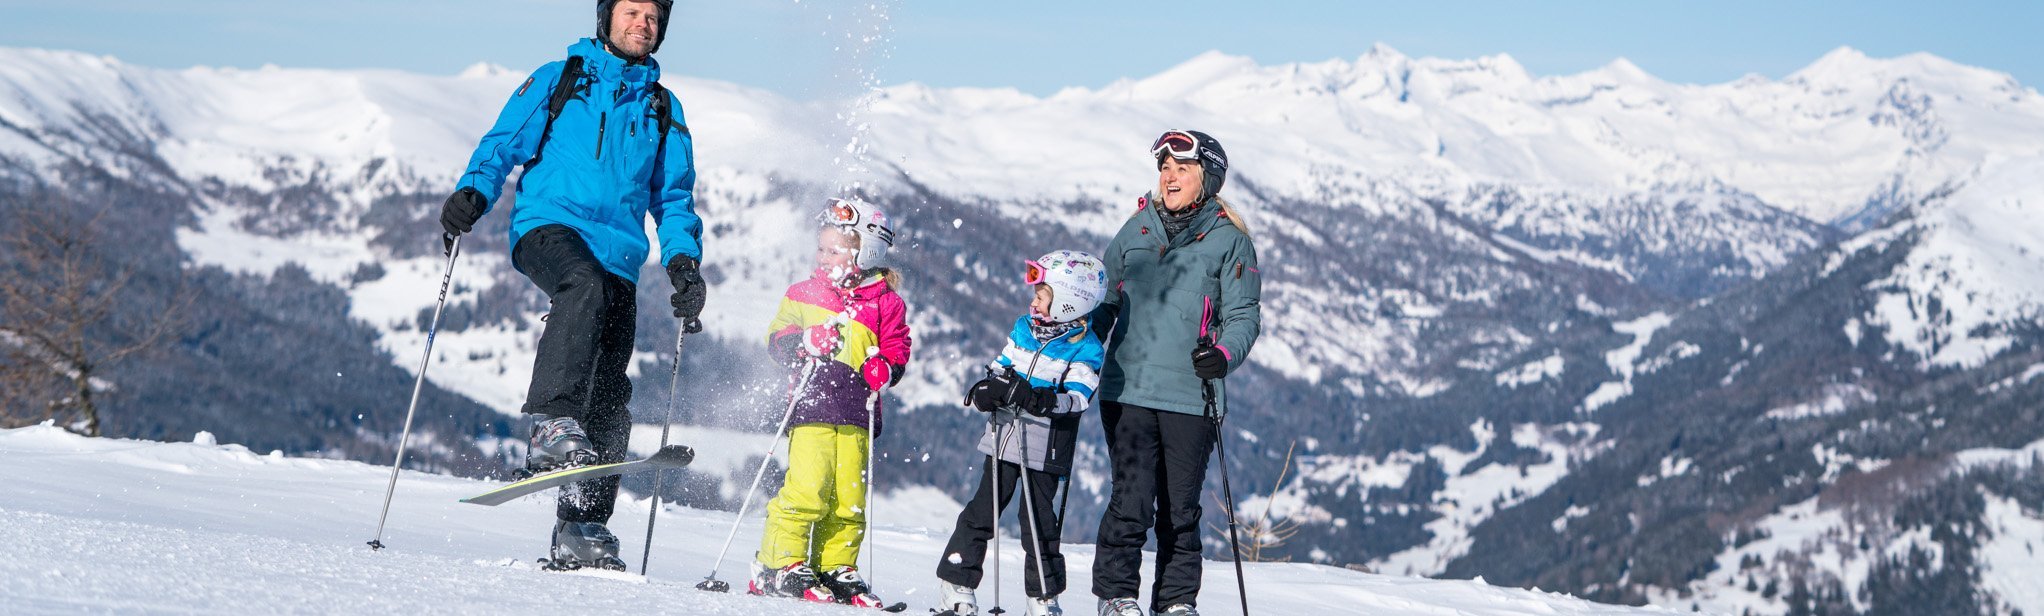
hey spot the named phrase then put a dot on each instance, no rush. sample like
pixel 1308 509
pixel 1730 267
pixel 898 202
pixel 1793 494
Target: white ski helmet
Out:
pixel 866 220
pixel 1078 282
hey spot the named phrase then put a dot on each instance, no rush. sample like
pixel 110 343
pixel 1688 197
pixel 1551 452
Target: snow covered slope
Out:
pixel 1976 268
pixel 137 526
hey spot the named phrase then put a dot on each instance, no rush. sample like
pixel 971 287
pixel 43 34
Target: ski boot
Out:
pixel 795 581
pixel 957 601
pixel 1180 609
pixel 848 588
pixel 583 544
pixel 1046 606
pixel 1121 606
pixel 558 443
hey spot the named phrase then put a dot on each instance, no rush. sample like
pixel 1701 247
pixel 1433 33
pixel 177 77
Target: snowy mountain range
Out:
pixel 1489 294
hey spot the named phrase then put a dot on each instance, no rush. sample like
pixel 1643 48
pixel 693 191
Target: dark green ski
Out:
pixel 671 456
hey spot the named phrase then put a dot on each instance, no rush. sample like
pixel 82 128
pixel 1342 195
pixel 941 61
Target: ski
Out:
pixel 561 566
pixel 671 456
pixel 896 608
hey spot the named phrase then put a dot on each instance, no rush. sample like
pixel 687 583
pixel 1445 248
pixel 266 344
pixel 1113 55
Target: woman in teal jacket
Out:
pixel 1184 308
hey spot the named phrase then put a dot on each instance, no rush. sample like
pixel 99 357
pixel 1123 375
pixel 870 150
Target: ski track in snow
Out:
pixel 106 525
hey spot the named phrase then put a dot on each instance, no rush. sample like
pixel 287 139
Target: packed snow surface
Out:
pixel 106 525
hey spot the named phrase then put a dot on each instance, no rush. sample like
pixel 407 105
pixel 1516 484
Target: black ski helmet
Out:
pixel 603 9
pixel 1213 159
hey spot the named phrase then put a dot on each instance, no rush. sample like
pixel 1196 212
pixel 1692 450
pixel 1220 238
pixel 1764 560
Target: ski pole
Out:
pixel 1216 393
pixel 1227 492
pixel 1028 513
pixel 994 502
pixel 872 465
pixel 453 244
pixel 673 392
pixel 994 467
pixel 711 583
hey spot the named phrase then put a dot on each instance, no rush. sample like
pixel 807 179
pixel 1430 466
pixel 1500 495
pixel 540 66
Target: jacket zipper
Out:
pixel 602 124
pixel 1028 372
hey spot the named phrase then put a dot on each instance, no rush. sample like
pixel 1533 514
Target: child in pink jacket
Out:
pixel 848 331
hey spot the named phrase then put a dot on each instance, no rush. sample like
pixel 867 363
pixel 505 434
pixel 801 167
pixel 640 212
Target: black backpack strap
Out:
pixel 663 112
pixel 663 118
pixel 564 91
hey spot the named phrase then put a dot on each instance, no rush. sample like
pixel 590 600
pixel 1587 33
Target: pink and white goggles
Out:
pixel 1177 143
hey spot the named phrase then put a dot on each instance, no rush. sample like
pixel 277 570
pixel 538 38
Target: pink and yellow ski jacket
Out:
pixel 869 316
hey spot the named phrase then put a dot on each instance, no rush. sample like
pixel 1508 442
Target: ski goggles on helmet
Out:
pixel 841 213
pixel 1034 275
pixel 1176 143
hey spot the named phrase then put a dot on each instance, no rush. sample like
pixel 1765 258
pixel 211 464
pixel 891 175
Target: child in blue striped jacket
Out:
pixel 1034 393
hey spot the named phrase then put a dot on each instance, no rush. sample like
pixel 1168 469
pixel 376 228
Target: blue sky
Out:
pixel 799 47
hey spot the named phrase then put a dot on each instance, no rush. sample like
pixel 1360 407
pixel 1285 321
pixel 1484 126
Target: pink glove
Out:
pixel 821 341
pixel 877 373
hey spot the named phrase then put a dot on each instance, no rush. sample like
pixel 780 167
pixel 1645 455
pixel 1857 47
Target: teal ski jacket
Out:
pixel 1163 294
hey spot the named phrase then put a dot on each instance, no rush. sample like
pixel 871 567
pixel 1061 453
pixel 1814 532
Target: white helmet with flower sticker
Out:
pixel 1078 282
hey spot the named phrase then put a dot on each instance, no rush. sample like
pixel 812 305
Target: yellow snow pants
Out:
pixel 820 515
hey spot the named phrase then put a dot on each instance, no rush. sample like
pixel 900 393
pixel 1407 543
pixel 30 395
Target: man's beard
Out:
pixel 623 46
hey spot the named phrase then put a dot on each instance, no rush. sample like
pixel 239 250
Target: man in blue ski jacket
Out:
pixel 603 145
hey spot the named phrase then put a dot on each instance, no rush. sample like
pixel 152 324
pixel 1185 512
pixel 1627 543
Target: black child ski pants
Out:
pixel 1160 464
pixel 965 556
pixel 580 371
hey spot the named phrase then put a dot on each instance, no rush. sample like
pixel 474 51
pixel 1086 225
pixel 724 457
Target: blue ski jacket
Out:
pixel 1069 364
pixel 603 169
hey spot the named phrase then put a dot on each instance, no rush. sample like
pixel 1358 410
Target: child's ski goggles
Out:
pixel 1034 275
pixel 841 213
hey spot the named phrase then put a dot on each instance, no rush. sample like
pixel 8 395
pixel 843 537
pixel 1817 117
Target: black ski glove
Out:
pixel 1038 401
pixel 1209 362
pixel 987 395
pixel 689 292
pixel 462 210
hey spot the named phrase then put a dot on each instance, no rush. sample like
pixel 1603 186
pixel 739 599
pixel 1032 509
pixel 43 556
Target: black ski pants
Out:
pixel 965 556
pixel 1160 465
pixel 580 371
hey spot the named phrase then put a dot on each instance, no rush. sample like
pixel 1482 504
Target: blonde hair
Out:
pixel 1232 216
